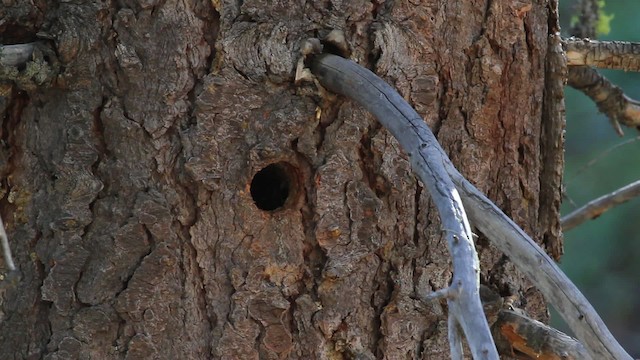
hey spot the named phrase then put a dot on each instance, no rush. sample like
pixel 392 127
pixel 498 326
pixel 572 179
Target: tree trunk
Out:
pixel 174 195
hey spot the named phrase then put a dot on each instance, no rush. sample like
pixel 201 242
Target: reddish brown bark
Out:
pixel 128 192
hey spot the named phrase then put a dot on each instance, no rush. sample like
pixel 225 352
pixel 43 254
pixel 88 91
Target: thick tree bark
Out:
pixel 174 195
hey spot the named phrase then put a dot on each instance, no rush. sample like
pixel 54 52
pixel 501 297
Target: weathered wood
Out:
pixel 347 78
pixel 427 158
pixel 14 55
pixel 524 338
pixel 565 297
pixel 596 207
pixel 618 55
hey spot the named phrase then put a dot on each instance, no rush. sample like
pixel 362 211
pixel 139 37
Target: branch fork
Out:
pixel 345 77
pixel 452 193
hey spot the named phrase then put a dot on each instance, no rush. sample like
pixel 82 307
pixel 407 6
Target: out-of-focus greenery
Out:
pixel 604 19
pixel 603 256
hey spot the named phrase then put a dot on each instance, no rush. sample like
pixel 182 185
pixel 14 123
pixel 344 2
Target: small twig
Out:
pixel 445 293
pixel 600 156
pixel 12 277
pixel 609 98
pixel 616 55
pixel 596 207
pixel 347 78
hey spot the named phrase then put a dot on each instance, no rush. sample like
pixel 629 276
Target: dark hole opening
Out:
pixel 329 48
pixel 271 186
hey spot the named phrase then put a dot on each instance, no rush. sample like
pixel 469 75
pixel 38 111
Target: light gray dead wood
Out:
pixel 347 78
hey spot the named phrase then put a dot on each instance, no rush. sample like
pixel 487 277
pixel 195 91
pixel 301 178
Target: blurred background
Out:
pixel 602 256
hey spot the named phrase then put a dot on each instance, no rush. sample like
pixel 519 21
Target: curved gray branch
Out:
pixel 427 157
pixel 540 269
pixel 350 79
pixel 15 55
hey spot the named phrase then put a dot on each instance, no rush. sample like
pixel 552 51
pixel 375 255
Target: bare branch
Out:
pixel 446 293
pixel 529 258
pixel 14 55
pixel 598 158
pixel 6 250
pixel 596 207
pixel 345 77
pixel 13 276
pixel 616 55
pixel 518 335
pixel 455 339
pixel 610 99
pixel 29 66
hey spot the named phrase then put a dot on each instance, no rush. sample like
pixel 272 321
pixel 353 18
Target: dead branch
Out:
pixel 347 78
pixel 609 98
pixel 15 55
pixel 519 336
pixel 599 157
pixel 12 55
pixel 29 66
pixel 581 51
pixel 6 250
pixel 596 207
pixel 12 277
pixel 350 79
pixel 455 339
pixel 540 269
pixel 616 55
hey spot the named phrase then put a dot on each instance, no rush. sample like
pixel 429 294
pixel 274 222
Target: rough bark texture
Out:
pixel 129 183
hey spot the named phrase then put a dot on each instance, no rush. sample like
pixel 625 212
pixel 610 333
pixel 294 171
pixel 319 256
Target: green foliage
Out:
pixel 575 19
pixel 601 255
pixel 604 20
